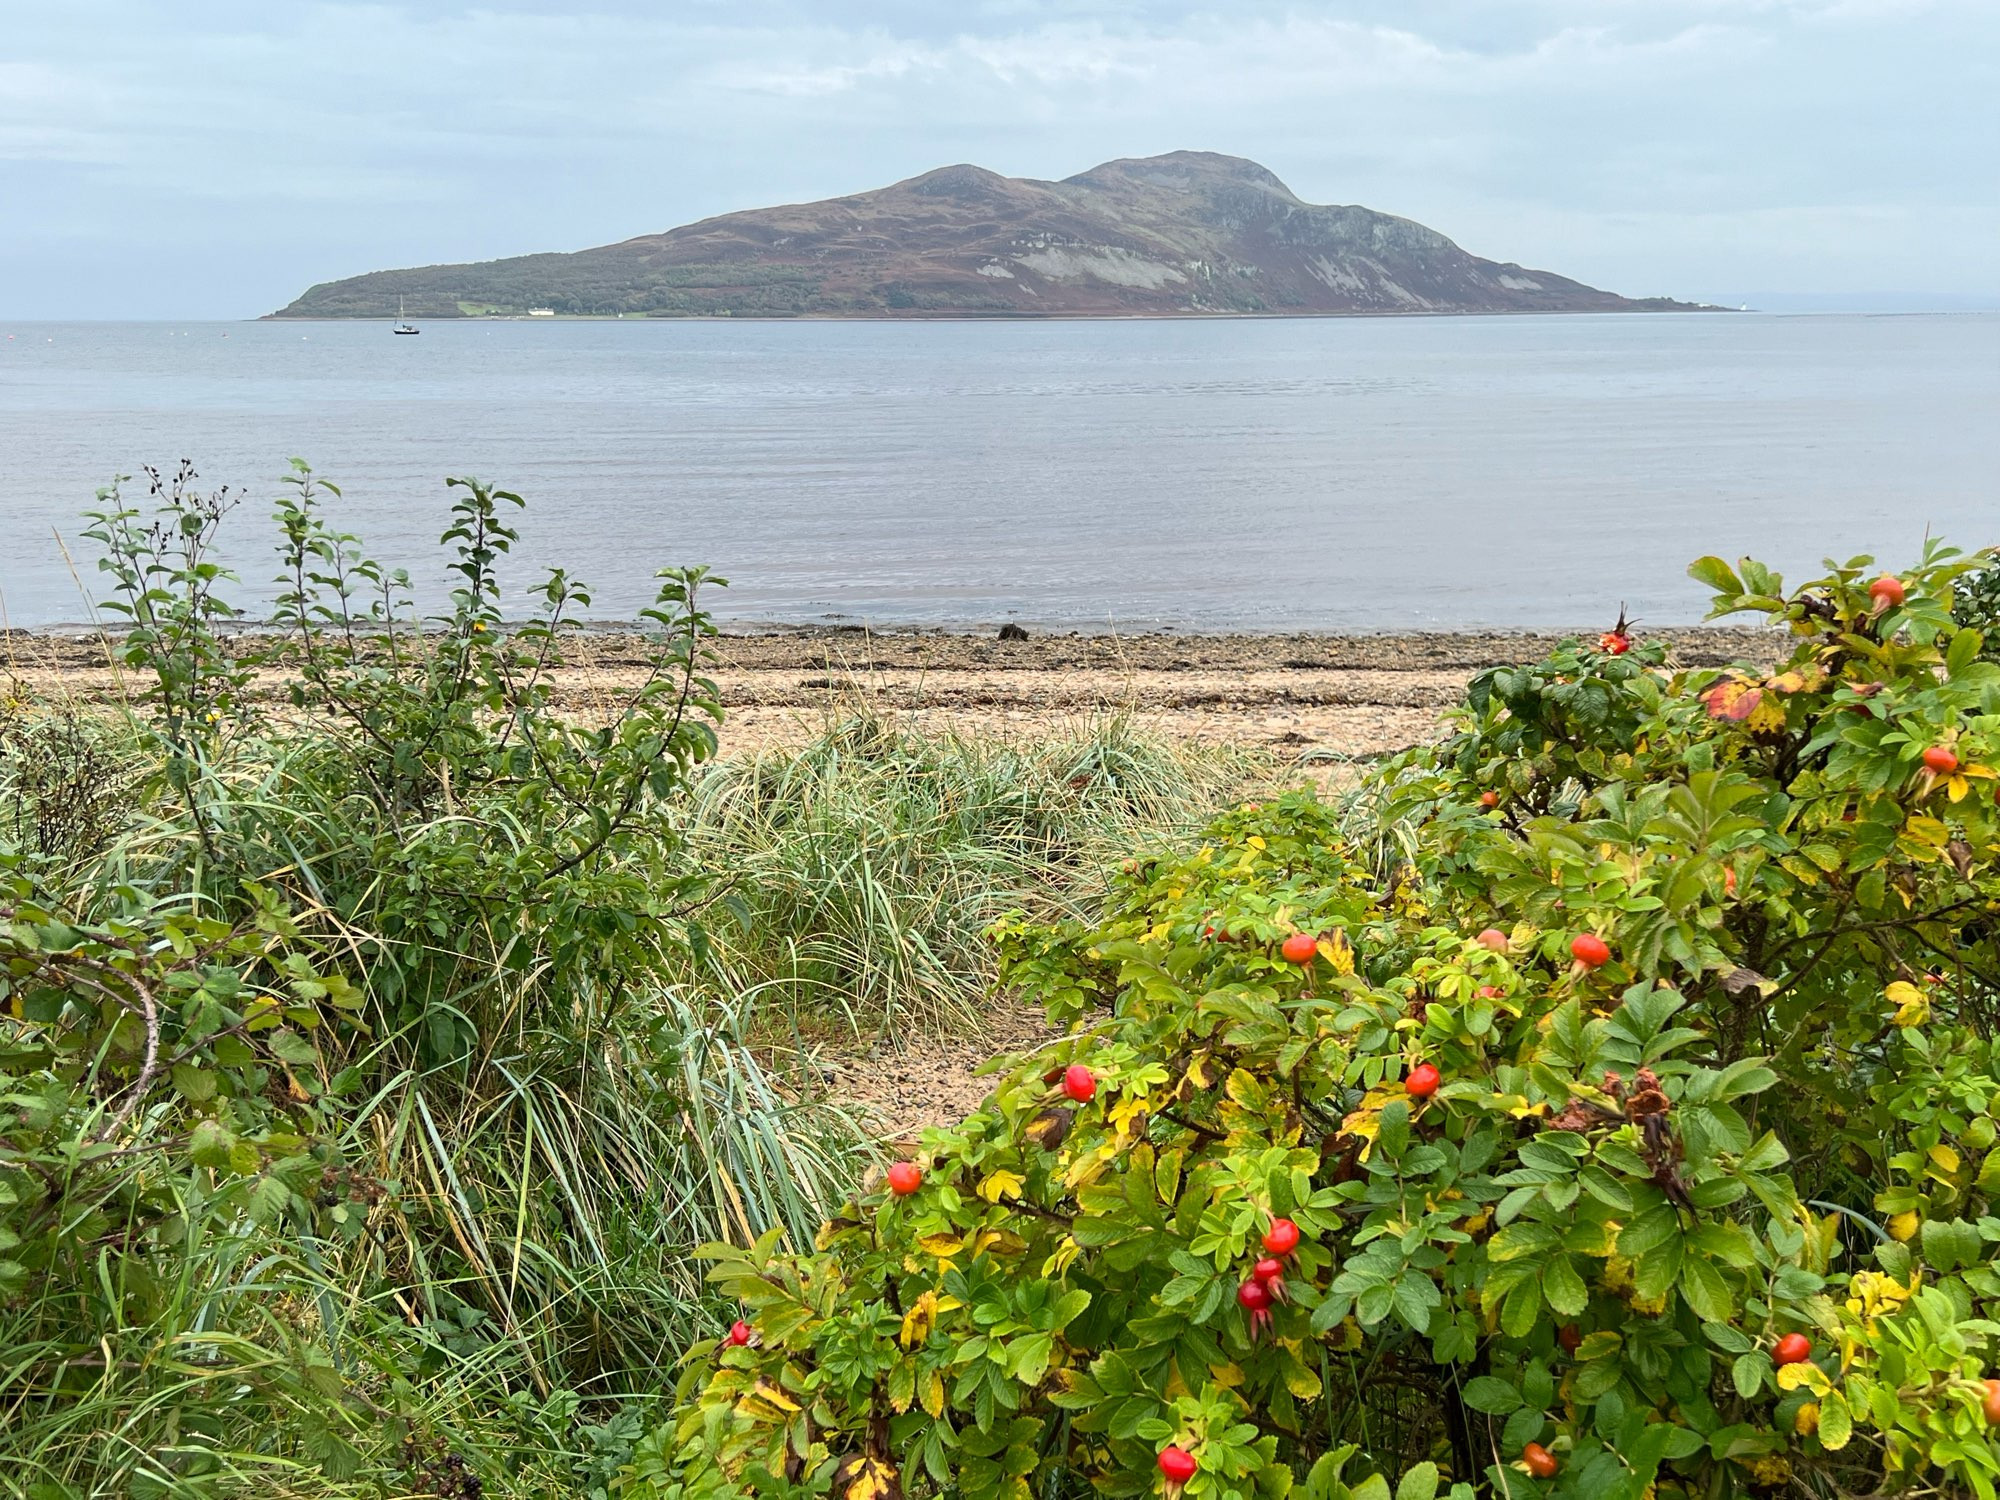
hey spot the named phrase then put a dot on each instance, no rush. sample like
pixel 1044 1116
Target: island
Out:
pixel 1187 234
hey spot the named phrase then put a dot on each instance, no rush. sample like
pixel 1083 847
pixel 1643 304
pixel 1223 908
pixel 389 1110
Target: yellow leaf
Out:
pixel 872 1479
pixel 1913 1006
pixel 999 1242
pixel 764 1402
pixel 1301 1382
pixel 1090 1166
pixel 922 1317
pixel 1956 788
pixel 1804 1373
pixel 1256 841
pixel 1767 717
pixel 930 1392
pixel 1807 1421
pixel 1230 1376
pixel 1927 830
pixel 1067 1250
pixel 943 1246
pixel 1000 1184
pixel 1904 1226
pixel 1336 950
pixel 1945 1159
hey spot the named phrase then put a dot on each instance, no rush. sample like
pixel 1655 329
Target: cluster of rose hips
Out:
pixel 1266 1283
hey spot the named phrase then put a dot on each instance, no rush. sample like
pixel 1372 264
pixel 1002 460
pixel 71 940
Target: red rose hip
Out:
pixel 905 1177
pixel 1493 940
pixel 739 1333
pixel 1792 1349
pixel 1422 1082
pixel 1541 1463
pixel 1269 1269
pixel 1887 592
pixel 1177 1465
pixel 1590 950
pixel 1299 948
pixel 1991 1405
pixel 1282 1238
pixel 1489 800
pixel 1079 1083
pixel 1940 760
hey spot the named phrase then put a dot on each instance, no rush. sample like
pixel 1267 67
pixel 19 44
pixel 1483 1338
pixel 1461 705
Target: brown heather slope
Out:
pixel 1191 232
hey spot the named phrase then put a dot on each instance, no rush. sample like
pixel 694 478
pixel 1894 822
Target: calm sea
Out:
pixel 1310 474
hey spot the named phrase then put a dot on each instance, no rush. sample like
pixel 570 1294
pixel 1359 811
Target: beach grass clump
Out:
pixel 865 869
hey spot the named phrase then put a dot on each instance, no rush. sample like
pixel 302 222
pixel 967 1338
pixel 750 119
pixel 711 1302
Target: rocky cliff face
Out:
pixel 1184 234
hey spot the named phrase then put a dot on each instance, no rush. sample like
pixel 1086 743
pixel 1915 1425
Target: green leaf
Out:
pixel 1521 1238
pixel 1563 1288
pixel 1750 1373
pixel 1650 1230
pixel 1705 1290
pixel 1419 1483
pixel 268 1199
pixel 1522 1308
pixel 1963 651
pixel 1746 1076
pixel 1717 575
pixel 1657 1270
pixel 1729 1340
pixel 1394 1129
pixel 1606 1189
pixel 193 1084
pixel 210 1144
pixel 1492 1395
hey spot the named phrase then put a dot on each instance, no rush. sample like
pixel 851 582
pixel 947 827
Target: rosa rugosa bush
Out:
pixel 1705 1213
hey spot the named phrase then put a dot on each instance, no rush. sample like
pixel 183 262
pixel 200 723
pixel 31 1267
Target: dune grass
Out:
pixel 531 1140
pixel 865 868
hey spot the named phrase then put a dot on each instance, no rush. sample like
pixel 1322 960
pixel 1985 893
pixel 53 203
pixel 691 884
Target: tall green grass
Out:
pixel 532 1192
pixel 865 868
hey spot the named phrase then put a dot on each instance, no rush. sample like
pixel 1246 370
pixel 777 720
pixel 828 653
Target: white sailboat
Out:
pixel 401 326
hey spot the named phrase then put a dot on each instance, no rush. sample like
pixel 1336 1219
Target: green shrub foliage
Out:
pixel 1697 1202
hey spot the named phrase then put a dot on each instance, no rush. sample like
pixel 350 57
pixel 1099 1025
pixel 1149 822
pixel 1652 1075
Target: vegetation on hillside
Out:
pixel 1604 1105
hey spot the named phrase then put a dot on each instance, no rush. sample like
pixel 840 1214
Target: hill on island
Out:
pixel 1183 234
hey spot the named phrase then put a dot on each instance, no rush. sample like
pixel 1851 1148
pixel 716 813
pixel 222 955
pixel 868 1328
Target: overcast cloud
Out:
pixel 213 159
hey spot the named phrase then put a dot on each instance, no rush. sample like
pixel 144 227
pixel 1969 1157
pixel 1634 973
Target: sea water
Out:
pixel 1241 474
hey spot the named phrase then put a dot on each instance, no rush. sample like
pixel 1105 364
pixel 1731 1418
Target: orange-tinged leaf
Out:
pixel 1766 716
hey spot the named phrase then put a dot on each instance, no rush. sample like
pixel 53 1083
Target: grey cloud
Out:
pixel 212 159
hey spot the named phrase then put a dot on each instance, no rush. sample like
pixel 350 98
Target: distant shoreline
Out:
pixel 974 316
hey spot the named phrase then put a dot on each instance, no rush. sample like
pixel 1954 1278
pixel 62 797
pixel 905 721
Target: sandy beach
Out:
pixel 1309 695
pixel 1326 695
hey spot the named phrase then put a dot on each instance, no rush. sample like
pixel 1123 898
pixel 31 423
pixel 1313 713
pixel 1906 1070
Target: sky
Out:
pixel 192 159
